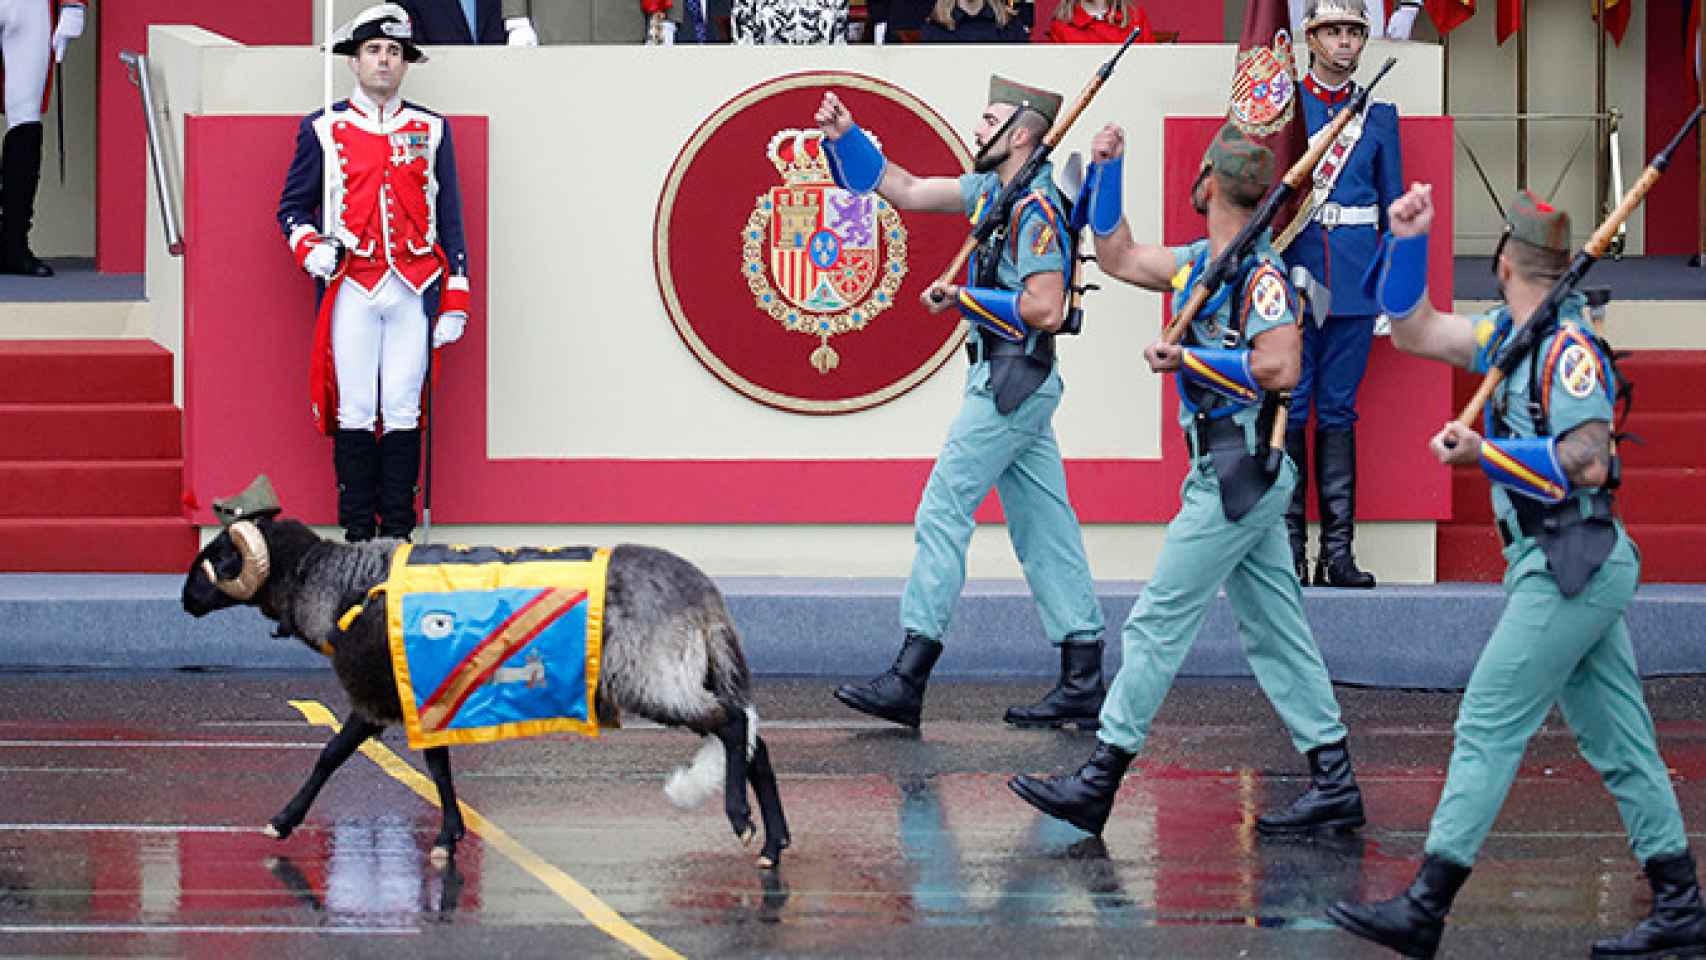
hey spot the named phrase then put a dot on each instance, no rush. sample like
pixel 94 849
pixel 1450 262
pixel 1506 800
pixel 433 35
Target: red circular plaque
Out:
pixel 796 293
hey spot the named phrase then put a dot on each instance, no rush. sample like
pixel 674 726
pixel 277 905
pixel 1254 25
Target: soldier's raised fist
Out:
pixel 1413 213
pixel 1107 144
pixel 833 117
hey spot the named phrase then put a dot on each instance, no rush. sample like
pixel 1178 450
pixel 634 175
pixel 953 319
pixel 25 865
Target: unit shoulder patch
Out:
pixel 1578 371
pixel 1268 297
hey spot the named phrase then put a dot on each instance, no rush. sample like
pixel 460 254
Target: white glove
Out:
pixel 70 28
pixel 521 32
pixel 449 328
pixel 1402 21
pixel 321 262
pixel 881 34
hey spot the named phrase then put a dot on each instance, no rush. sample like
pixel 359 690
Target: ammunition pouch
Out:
pixel 1576 539
pixel 1014 373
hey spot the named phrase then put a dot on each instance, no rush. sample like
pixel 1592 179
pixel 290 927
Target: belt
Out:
pixel 992 348
pixel 1332 214
pixel 1532 521
pixel 1207 432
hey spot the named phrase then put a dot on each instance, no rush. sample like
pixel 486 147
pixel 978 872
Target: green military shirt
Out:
pixel 1579 388
pixel 1264 300
pixel 1035 240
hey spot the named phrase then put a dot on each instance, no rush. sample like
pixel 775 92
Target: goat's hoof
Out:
pixel 746 834
pixel 276 830
pixel 766 862
pixel 441 856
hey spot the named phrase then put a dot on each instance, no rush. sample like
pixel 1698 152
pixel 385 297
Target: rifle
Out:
pixel 1545 319
pixel 1016 187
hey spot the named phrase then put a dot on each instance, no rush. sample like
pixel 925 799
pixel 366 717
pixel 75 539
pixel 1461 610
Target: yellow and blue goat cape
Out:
pixel 490 644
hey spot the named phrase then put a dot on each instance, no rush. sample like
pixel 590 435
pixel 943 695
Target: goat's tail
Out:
pixel 692 785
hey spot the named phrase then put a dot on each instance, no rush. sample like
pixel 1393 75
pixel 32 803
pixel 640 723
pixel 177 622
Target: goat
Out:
pixel 670 654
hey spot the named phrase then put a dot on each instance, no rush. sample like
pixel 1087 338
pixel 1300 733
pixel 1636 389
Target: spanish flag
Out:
pixel 1616 16
pixel 1448 15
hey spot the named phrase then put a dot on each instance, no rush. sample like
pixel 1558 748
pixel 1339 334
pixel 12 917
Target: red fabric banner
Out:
pixel 1448 15
pixel 1510 19
pixel 1616 16
pixel 1264 88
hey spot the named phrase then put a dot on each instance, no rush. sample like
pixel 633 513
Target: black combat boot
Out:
pixel 355 458
pixel 1412 922
pixel 1332 802
pixel 1336 484
pixel 1076 699
pixel 897 694
pixel 1676 927
pixel 1083 799
pixel 399 471
pixel 1296 518
pixel 20 174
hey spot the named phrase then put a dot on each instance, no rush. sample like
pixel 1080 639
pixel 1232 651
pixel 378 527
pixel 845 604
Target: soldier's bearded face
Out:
pixel 379 68
pixel 992 154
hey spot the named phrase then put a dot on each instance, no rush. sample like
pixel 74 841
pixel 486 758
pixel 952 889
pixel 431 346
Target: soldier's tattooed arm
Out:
pixel 1276 357
pixel 1585 453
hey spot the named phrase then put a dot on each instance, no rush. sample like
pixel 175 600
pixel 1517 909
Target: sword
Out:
pixel 59 115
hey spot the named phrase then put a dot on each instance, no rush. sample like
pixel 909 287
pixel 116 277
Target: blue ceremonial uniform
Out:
pixel 1337 247
pixel 1014 452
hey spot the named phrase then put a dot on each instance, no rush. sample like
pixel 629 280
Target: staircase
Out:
pixel 91 458
pixel 1663 498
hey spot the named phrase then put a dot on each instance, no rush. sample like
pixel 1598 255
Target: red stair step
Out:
pixel 1668 439
pixel 1665 379
pixel 91 488
pixel 89 431
pixel 1670 552
pixel 84 371
pixel 1648 495
pixel 105 545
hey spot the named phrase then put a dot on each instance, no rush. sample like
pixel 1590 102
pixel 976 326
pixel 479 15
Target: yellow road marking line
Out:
pixel 596 911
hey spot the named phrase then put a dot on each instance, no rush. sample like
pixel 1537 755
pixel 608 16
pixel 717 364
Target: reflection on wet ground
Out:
pixel 130 807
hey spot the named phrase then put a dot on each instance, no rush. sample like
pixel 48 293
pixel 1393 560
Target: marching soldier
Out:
pixel 1359 177
pixel 1571 572
pixel 394 252
pixel 30 44
pixel 1242 347
pixel 1003 436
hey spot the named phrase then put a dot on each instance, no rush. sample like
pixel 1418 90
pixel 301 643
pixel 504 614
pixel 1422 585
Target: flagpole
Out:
pixel 1700 138
pixel 1601 203
pixel 1522 99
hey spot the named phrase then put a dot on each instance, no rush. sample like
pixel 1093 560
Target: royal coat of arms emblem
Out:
pixel 1264 91
pixel 818 259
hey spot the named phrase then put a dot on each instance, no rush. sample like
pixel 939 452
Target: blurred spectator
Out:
pixel 973 21
pixel 797 22
pixel 1396 27
pixel 593 21
pixel 438 22
pixel 1095 21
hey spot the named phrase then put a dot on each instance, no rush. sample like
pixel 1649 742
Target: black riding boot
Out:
pixel 1412 922
pixel 897 694
pixel 355 457
pixel 20 174
pixel 1336 484
pixel 1076 699
pixel 1677 924
pixel 399 470
pixel 1296 517
pixel 1083 799
pixel 1333 800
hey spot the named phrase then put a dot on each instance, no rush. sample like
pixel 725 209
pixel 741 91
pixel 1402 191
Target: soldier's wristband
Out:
pixel 856 160
pixel 1403 265
pixel 1106 179
pixel 994 310
pixel 1529 467
pixel 1225 372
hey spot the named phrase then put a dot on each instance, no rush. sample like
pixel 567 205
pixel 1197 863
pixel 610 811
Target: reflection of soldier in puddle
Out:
pixel 1297 879
pixel 932 858
pixel 1064 870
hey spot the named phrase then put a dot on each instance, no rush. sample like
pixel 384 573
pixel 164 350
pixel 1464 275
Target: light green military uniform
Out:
pixel 1016 454
pixel 1549 648
pixel 1250 556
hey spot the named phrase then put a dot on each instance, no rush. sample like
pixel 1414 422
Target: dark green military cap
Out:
pixel 1235 157
pixel 256 500
pixel 1538 223
pixel 1045 102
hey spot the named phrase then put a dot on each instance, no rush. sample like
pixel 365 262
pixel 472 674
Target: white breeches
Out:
pixel 26 37
pixel 380 343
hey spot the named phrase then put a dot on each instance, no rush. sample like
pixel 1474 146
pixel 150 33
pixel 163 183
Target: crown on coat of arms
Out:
pixel 798 156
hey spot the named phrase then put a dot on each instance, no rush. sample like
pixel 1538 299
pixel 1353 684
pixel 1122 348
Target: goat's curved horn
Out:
pixel 252 547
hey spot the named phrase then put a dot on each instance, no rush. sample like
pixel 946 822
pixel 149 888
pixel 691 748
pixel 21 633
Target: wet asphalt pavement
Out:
pixel 130 807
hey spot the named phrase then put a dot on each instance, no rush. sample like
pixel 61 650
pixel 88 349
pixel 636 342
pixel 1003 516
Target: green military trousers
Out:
pixel 1018 456
pixel 1575 652
pixel 1252 557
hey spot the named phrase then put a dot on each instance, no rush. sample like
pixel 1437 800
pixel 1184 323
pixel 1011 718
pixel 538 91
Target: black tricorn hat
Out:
pixel 383 21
